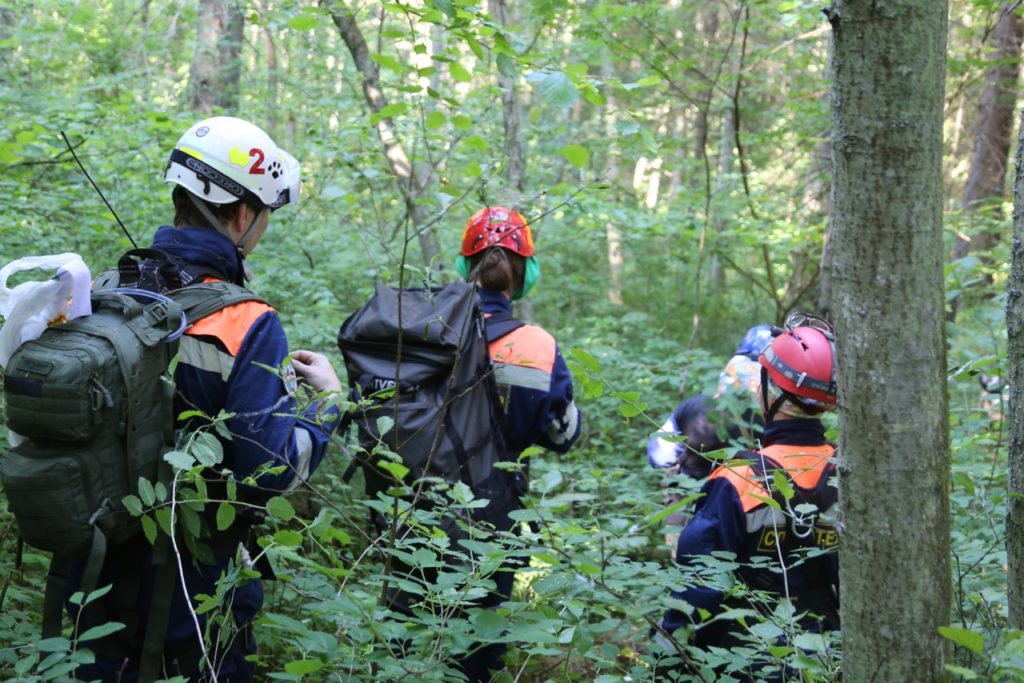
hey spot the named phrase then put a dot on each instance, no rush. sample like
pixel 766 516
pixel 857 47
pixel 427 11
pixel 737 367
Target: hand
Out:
pixel 316 371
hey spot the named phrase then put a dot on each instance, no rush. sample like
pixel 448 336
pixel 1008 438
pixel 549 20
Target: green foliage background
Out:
pixel 715 248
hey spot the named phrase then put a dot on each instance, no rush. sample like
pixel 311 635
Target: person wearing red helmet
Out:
pixel 533 380
pixel 785 547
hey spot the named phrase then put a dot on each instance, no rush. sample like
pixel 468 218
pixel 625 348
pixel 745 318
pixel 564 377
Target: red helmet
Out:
pixel 497 225
pixel 801 359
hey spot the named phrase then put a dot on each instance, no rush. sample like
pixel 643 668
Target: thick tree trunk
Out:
pixel 1015 351
pixel 986 179
pixel 411 181
pixel 889 71
pixel 215 74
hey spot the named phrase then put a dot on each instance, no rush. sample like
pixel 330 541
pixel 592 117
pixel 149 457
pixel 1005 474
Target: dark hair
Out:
pixel 187 214
pixel 498 269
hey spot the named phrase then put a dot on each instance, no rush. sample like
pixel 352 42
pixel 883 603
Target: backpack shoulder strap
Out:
pixel 500 324
pixel 200 300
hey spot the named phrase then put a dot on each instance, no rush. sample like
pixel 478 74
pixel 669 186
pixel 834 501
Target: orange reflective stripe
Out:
pixel 803 463
pixel 743 479
pixel 529 346
pixel 230 325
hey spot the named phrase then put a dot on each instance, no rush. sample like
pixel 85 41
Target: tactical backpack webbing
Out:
pixel 196 301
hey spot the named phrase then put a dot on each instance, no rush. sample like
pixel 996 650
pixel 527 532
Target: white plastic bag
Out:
pixel 31 307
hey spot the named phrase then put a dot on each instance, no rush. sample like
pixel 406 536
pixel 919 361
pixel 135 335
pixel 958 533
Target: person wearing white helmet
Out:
pixel 228 176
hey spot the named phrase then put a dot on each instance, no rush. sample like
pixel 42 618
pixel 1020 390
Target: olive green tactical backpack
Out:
pixel 92 403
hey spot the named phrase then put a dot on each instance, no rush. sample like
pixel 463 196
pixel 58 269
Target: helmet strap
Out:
pixel 770 409
pixel 208 215
pixel 243 243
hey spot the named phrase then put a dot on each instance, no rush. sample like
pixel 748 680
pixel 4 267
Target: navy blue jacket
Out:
pixel 223 367
pixel 732 517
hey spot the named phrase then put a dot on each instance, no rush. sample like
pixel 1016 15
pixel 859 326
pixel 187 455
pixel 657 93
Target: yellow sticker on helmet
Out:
pixel 192 153
pixel 238 157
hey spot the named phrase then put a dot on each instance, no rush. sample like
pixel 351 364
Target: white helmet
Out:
pixel 224 159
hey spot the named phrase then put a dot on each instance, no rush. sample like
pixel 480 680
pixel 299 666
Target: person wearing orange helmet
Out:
pixel 533 379
pixel 784 543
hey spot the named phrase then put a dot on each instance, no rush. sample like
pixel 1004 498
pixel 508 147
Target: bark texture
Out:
pixel 886 212
pixel 411 181
pixel 1015 351
pixel 215 74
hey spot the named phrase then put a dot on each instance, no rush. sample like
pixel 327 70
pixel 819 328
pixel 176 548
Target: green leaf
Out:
pixel 447 7
pixel 146 491
pixel 394 109
pixel 628 410
pixel 97 594
pixel 148 528
pixel 100 631
pixel 577 155
pixel 56 644
pixel 963 673
pixel 288 538
pixel 302 23
pixel 179 461
pixel 435 120
pixel 781 481
pixel 384 424
pixel 506 65
pixel 207 449
pixel 225 515
pixel 397 469
pixel 388 62
pixel 459 73
pixel 133 505
pixel 280 508
pixel 586 360
pixel 462 122
pixel 301 667
pixel 550 481
pixel 555 88
pixel 163 518
pixel 974 642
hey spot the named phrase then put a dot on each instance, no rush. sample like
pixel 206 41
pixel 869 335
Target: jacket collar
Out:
pixel 794 433
pixel 202 247
pixel 494 302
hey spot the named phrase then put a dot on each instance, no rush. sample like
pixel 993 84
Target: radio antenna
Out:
pixel 98 190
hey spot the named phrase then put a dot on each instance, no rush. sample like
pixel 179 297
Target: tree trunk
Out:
pixel 411 181
pixel 889 72
pixel 515 169
pixel 1015 352
pixel 723 187
pixel 986 179
pixel 272 88
pixel 215 74
pixel 613 234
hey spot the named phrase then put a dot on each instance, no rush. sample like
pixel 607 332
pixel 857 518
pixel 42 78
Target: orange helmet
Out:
pixel 497 226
